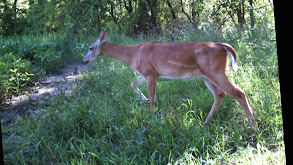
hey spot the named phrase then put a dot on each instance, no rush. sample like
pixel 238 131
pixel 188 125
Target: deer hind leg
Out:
pixel 134 85
pixel 224 83
pixel 218 98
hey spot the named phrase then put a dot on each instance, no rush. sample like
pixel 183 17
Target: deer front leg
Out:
pixel 134 84
pixel 151 81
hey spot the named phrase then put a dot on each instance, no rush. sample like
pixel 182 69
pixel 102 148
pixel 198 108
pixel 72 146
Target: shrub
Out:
pixel 21 65
pixel 48 59
pixel 15 73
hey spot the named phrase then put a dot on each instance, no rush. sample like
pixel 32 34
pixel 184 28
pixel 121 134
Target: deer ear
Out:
pixel 103 36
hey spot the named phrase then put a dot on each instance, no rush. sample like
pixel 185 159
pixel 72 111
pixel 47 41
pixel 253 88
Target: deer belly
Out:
pixel 177 77
pixel 179 74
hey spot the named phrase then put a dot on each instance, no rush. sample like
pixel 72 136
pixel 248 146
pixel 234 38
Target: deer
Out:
pixel 177 60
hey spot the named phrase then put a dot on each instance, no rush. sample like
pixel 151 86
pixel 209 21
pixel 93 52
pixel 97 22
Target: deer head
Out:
pixel 95 49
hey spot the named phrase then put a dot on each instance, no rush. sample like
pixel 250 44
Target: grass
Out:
pixel 103 122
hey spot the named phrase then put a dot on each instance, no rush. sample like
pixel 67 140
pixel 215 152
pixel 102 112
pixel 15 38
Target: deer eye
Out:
pixel 91 49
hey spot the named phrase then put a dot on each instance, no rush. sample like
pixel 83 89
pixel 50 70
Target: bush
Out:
pixel 48 59
pixel 21 65
pixel 14 74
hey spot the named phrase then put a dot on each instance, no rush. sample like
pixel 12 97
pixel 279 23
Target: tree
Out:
pixel 128 16
pixel 251 15
pixel 8 18
pixel 240 11
pixel 129 7
pixel 171 9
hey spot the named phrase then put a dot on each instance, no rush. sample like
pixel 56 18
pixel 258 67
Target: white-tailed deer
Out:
pixel 177 60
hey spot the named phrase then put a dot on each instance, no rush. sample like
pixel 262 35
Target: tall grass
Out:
pixel 103 122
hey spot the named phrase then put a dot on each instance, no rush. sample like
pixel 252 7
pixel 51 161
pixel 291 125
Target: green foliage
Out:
pixel 131 17
pixel 15 73
pixel 48 58
pixel 13 17
pixel 23 64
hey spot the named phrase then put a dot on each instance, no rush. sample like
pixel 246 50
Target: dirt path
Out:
pixel 50 85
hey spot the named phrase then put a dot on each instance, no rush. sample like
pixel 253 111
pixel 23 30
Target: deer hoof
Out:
pixel 146 101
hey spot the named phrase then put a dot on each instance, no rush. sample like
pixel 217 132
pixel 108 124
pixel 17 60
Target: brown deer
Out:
pixel 177 60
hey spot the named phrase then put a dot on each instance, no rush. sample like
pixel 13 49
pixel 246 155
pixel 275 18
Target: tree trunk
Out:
pixel 112 13
pixel 172 10
pixel 152 6
pixel 240 14
pixel 190 20
pixel 251 15
pixel 14 9
pixel 129 7
pixel 196 11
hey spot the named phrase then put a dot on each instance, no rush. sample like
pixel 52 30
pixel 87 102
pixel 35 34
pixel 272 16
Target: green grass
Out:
pixel 103 122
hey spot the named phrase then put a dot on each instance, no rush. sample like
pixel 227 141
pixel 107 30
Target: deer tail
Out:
pixel 233 55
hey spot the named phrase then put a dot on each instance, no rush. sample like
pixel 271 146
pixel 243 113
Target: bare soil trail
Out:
pixel 50 85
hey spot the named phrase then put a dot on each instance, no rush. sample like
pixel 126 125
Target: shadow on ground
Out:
pixel 50 85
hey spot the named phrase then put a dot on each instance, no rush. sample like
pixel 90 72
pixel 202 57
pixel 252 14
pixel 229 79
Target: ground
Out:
pixel 28 102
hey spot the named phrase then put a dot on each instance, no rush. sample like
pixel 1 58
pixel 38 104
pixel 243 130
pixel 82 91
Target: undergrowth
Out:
pixel 23 64
pixel 103 122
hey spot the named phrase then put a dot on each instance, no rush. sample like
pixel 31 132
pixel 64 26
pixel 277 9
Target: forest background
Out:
pixel 131 17
pixel 39 37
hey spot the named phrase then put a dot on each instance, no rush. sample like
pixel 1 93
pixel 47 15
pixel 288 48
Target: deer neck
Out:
pixel 121 53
